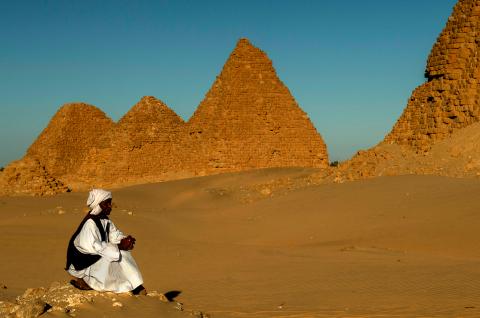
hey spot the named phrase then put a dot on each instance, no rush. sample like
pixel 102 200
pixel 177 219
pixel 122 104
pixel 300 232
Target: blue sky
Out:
pixel 350 64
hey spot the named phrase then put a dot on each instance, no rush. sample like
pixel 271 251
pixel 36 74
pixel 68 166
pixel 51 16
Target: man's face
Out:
pixel 106 206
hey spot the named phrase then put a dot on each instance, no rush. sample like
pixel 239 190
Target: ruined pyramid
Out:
pixel 449 100
pixel 247 120
pixel 72 131
pixel 29 177
pixel 141 147
pixel 441 116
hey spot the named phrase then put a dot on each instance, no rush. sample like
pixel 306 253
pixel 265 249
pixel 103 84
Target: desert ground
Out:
pixel 403 246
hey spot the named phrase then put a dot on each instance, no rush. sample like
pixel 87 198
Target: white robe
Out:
pixel 116 270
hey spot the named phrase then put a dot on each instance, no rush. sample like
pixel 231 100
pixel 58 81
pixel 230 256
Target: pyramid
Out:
pixel 148 121
pixel 138 148
pixel 449 100
pixel 249 119
pixel 64 143
pixel 29 177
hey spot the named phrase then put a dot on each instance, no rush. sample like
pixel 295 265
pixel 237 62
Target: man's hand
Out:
pixel 127 243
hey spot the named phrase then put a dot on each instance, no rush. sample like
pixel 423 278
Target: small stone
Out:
pixel 163 298
pixel 32 309
pixel 117 304
pixel 198 314
pixel 266 191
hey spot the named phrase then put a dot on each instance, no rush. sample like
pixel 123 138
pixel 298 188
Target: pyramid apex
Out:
pixel 148 99
pixel 244 43
pixel 149 109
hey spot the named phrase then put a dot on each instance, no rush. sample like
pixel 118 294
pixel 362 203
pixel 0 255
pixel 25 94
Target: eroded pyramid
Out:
pixel 247 120
pixel 139 148
pixel 71 133
pixel 449 100
pixel 29 177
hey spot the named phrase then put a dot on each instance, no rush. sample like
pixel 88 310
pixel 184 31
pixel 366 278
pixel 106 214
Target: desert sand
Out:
pixel 403 246
pixel 399 239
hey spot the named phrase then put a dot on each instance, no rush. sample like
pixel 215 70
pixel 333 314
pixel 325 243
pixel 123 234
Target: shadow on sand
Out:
pixel 171 295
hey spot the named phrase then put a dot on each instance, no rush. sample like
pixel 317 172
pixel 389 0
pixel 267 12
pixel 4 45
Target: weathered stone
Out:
pixel 247 120
pixel 60 299
pixel 64 143
pixel 449 100
pixel 438 131
pixel 29 177
pixel 32 309
pixel 141 147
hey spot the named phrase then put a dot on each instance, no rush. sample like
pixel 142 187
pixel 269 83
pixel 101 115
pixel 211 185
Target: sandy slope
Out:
pixel 385 247
pixel 456 156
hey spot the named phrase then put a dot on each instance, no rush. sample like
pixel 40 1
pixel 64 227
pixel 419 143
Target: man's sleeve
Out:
pixel 89 241
pixel 115 235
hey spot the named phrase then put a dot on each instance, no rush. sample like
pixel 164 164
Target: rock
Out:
pixel 266 192
pixel 158 295
pixel 32 309
pixel 179 306
pixel 199 314
pixel 8 309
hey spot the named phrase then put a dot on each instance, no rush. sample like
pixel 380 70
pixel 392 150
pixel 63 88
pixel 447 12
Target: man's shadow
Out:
pixel 171 295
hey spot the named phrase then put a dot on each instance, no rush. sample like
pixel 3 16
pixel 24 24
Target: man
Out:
pixel 98 254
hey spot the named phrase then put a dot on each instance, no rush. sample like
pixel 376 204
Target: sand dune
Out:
pixel 385 247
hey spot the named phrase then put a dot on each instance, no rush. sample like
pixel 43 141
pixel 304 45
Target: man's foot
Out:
pixel 80 284
pixel 140 290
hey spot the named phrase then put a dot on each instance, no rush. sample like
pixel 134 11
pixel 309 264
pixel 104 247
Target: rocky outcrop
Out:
pixel 62 299
pixel 449 100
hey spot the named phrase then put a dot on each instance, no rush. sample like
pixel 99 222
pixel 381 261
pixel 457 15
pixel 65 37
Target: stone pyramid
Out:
pixel 449 100
pixel 29 177
pixel 140 147
pixel 64 143
pixel 148 121
pixel 249 119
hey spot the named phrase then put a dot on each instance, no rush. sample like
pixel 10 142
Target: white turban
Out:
pixel 95 197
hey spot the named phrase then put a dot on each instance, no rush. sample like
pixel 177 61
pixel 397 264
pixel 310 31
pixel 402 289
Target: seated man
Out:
pixel 98 253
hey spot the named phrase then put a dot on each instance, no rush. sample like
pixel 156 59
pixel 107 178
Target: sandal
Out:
pixel 80 284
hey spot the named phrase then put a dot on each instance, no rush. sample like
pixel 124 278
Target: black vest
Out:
pixel 78 259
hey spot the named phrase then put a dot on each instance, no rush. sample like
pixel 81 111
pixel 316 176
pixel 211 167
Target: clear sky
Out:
pixel 350 64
